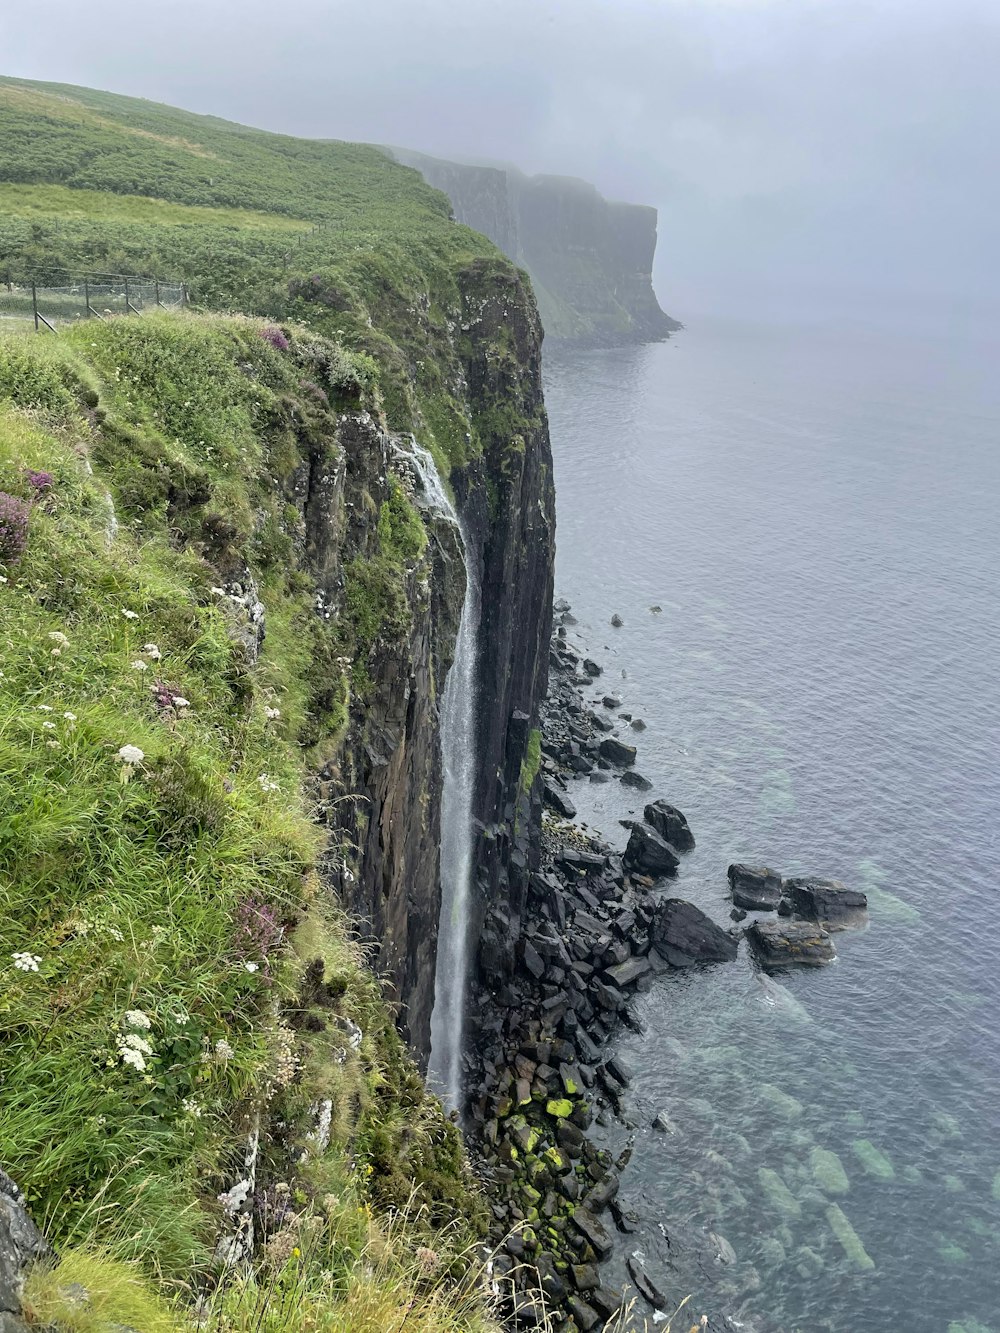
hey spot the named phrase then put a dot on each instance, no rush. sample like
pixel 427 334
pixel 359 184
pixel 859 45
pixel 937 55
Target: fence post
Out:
pixel 86 297
pixel 157 281
pixel 34 303
pixel 127 301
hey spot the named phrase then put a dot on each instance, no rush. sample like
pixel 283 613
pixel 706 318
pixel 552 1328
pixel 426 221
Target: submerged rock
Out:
pixel 756 888
pixel 683 935
pixel 873 1162
pixel 779 1195
pixel 630 778
pixel 828 1171
pixel 849 1239
pixel 785 943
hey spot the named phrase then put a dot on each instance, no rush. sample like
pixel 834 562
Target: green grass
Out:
pixel 177 881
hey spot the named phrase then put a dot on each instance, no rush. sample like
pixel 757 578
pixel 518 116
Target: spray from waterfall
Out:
pixel 458 754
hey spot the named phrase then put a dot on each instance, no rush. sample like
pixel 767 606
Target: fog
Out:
pixel 807 156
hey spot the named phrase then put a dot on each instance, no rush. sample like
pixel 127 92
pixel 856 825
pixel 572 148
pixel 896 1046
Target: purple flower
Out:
pixel 275 337
pixel 40 482
pixel 14 515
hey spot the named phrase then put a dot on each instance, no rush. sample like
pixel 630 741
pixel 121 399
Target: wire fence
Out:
pixel 98 296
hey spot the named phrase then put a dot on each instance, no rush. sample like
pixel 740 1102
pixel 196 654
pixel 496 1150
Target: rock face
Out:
pixel 590 261
pixel 785 943
pixel 670 824
pixel 648 852
pixel 826 901
pixel 755 888
pixel 683 935
pixel 21 1244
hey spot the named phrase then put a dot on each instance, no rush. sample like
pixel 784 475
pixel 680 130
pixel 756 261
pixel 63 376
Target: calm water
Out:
pixel 817 516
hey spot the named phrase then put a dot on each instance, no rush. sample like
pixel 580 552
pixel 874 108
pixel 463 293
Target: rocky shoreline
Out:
pixel 541 1077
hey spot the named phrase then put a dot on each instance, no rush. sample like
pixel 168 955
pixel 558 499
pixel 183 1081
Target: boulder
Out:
pixel 648 852
pixel 594 1232
pixel 612 701
pixel 784 943
pixel 592 669
pixel 826 901
pixel 556 799
pixel 632 779
pixel 617 621
pixel 683 935
pixel 755 888
pixel 21 1244
pixel 629 972
pixel 670 824
pixel 617 752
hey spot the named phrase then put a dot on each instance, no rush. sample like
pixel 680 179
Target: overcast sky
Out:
pixel 802 153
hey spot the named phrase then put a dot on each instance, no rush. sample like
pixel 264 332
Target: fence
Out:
pixel 96 296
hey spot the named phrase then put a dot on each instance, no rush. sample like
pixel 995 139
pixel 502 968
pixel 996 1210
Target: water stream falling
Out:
pixel 458 754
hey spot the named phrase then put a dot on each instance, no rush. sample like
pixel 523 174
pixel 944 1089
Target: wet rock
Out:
pixel 637 724
pixel 670 824
pixel 724 1252
pixel 645 1285
pixel 785 943
pixel 21 1244
pixel 585 1315
pixel 617 621
pixel 648 852
pixel 826 901
pixel 617 752
pixel 756 888
pixel 628 973
pixel 612 701
pixel 556 799
pixel 663 1124
pixel 594 1232
pixel 632 779
pixel 600 775
pixel 627 1220
pixel 585 1277
pixel 683 935
pixel 592 669
pixel 606 1301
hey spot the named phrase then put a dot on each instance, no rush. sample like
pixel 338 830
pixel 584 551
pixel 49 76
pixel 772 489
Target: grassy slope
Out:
pixel 380 274
pixel 151 894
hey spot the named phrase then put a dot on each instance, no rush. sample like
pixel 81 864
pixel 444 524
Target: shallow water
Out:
pixel 816 515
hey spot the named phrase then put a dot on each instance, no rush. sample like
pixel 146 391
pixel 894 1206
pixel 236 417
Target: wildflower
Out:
pixel 272 714
pixel 130 615
pixel 133 1058
pixel 140 665
pixel 13 528
pixel 56 652
pixel 26 962
pixel 40 482
pixel 180 702
pixel 70 717
pixel 49 726
pixel 152 652
pixel 275 337
pixel 58 637
pixel 136 1018
pixel 428 1261
pixel 267 783
pixel 53 745
pixel 44 708
pixel 191 1108
pixel 131 754
pixel 219 592
pixel 252 967
pixel 223 1049
pixel 4 579
pixel 134 1042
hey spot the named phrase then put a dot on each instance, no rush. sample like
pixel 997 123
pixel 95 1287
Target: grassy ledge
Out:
pixel 174 984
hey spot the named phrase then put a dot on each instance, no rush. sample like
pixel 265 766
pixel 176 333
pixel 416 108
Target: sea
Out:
pixel 800 529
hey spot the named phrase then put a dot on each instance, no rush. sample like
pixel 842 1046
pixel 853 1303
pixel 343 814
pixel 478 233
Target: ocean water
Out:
pixel 817 514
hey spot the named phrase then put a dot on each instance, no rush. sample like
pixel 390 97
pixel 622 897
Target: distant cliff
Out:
pixel 590 260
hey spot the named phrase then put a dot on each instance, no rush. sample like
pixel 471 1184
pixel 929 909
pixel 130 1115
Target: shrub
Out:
pixel 13 528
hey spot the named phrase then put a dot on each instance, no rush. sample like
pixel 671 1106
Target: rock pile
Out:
pixel 821 906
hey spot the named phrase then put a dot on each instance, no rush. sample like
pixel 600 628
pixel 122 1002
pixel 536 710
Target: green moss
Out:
pixel 560 1107
pixel 530 765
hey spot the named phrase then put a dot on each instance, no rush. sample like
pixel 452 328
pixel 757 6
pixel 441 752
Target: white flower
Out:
pixel 136 1018
pixel 267 783
pixel 53 745
pixel 133 1058
pixel 252 967
pixel 26 962
pixel 70 717
pixel 223 1049
pixel 219 592
pixel 140 665
pixel 2 579
pixel 191 1107
pixel 130 615
pixel 180 702
pixel 151 651
pixel 56 652
pixel 44 708
pixel 131 754
pixel 48 726
pixel 57 637
pixel 272 713
pixel 134 1042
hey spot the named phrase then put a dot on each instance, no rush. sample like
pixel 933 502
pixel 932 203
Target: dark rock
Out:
pixel 591 668
pixel 620 1070
pixel 585 1277
pixel 617 752
pixel 636 780
pixel 600 775
pixel 21 1244
pixel 644 1284
pixel 648 852
pixel 683 935
pixel 670 824
pixel 612 701
pixel 637 724
pixel 627 1220
pixel 606 1301
pixel 826 901
pixel 663 1123
pixel 560 605
pixel 548 1278
pixel 532 961
pixel 556 799
pixel 786 943
pixel 617 621
pixel 756 888
pixel 626 974
pixel 585 1315
pixel 594 1232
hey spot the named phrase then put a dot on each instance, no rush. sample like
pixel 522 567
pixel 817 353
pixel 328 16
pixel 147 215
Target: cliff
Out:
pixel 590 260
pixel 234 605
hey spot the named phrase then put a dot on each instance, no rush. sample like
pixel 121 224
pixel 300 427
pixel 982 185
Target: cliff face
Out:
pixel 590 260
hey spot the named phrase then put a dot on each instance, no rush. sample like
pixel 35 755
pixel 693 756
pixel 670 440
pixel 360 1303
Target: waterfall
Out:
pixel 458 755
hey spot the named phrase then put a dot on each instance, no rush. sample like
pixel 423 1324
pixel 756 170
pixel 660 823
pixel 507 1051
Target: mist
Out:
pixel 808 157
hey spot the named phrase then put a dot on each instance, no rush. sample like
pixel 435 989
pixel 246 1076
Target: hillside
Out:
pixel 229 600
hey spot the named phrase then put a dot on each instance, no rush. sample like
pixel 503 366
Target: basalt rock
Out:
pixel 670 824
pixel 648 852
pixel 21 1245
pixel 683 935
pixel 826 901
pixel 754 888
pixel 785 943
pixel 617 752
